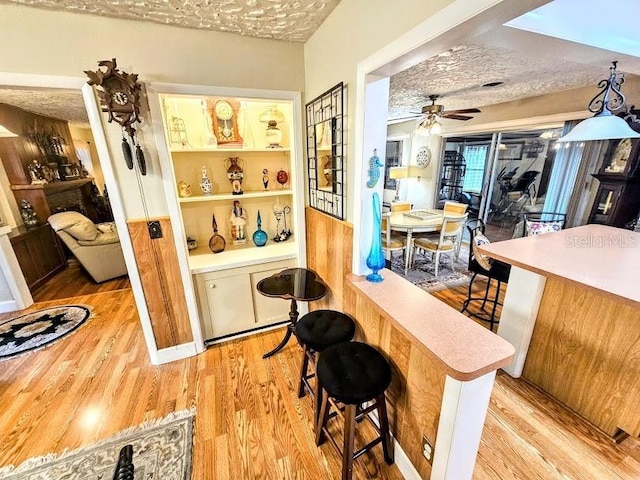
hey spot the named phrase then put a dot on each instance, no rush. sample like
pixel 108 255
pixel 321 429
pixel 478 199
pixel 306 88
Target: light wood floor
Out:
pixel 249 422
pixel 74 281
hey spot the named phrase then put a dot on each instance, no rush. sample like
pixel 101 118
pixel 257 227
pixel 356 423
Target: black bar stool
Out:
pixel 353 373
pixel 316 331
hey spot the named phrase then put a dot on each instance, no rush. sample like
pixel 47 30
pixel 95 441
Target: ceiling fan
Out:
pixel 430 124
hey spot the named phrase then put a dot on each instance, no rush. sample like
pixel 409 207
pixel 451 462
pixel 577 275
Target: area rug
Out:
pixel 37 329
pixel 162 450
pixel 422 273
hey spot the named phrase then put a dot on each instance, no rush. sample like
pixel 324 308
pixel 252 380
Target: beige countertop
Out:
pixel 597 256
pixel 466 349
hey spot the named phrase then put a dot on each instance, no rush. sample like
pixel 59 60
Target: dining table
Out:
pixel 415 221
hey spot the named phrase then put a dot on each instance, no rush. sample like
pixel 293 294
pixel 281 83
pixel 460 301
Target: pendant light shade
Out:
pixel 604 125
pixel 6 133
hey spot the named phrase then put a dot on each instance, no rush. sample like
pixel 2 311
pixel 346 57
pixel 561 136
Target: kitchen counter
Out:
pixel 572 312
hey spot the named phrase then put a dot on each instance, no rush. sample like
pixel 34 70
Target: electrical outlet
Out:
pixel 427 449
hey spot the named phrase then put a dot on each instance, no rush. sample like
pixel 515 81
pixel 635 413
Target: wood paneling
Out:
pixel 329 254
pixel 585 351
pixel 157 262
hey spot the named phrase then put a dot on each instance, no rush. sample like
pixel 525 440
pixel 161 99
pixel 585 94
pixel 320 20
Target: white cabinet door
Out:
pixel 228 300
pixel 268 310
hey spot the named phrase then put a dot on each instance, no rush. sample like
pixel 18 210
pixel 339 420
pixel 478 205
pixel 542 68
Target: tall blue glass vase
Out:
pixel 375 260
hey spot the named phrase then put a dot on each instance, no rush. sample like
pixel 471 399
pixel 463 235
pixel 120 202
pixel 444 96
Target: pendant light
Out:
pixel 604 125
pixel 6 133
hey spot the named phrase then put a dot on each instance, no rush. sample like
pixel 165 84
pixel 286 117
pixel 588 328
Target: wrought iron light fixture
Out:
pixel 605 124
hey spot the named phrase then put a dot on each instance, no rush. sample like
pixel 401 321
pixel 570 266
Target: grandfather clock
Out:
pixel 617 202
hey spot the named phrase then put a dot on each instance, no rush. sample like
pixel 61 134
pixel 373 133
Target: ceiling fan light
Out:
pixel 436 128
pixel 423 128
pixel 600 127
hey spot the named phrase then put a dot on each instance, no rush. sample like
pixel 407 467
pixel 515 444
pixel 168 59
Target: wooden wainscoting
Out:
pixel 160 275
pixel 585 351
pixel 329 254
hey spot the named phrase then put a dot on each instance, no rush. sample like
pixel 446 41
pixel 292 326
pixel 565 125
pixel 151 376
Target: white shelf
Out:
pixel 201 260
pixel 230 196
pixel 226 150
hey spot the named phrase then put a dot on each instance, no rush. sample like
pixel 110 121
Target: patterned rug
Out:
pixel 37 329
pixel 422 273
pixel 161 451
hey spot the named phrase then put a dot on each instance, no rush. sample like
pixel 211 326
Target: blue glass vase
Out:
pixel 260 236
pixel 375 260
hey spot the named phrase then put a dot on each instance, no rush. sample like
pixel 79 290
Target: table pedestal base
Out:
pixel 293 318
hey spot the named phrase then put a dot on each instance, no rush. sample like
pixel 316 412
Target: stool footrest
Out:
pixel 367 447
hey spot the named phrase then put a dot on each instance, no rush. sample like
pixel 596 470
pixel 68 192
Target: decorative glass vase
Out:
pixel 375 260
pixel 259 236
pixel 235 174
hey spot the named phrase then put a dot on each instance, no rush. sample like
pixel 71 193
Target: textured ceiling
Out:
pixel 62 104
pixel 290 20
pixel 458 75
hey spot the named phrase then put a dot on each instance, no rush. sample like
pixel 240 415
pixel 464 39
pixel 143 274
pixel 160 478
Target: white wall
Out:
pixel 355 30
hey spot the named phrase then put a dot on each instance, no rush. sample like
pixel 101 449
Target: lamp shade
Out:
pixel 600 127
pixel 6 133
pixel 398 172
pixel 271 114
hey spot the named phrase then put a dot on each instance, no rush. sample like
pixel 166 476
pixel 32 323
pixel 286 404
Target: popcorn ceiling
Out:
pixel 292 20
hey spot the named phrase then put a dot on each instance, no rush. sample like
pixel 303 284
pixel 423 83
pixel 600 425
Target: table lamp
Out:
pixel 396 173
pixel 272 116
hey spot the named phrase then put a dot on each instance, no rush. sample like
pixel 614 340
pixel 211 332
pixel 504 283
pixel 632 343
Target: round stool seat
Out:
pixel 322 328
pixel 353 372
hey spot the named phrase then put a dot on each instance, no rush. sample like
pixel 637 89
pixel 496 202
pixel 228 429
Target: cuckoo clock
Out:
pixel 119 94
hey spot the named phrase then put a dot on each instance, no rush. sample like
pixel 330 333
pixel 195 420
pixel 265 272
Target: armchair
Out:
pixel 97 247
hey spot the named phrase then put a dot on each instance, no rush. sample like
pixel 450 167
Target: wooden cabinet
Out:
pixel 231 304
pixel 39 253
pixel 617 201
pixel 201 138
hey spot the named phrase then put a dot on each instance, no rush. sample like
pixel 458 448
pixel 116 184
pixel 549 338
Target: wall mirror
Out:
pixel 325 152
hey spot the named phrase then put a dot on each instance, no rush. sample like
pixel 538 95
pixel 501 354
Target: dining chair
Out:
pixel 391 242
pixel 446 243
pixel 492 269
pixel 542 222
pixel 455 208
pixel 400 206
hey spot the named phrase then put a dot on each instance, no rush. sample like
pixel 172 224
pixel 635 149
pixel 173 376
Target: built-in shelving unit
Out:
pixel 194 141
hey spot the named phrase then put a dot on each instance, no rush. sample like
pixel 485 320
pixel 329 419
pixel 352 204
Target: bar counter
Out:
pixel 572 312
pixel 443 364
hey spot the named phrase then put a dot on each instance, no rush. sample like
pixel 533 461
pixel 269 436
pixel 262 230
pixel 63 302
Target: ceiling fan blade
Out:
pixel 464 110
pixel 454 116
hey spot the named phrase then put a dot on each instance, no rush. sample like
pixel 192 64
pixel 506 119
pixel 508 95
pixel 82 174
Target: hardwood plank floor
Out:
pixel 249 422
pixel 74 281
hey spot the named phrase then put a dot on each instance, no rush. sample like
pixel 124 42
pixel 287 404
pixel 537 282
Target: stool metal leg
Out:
pixel 349 435
pixel 387 446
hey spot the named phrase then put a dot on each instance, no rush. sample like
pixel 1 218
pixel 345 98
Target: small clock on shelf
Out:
pixel 224 116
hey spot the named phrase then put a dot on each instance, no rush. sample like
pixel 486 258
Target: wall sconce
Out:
pixel 604 125
pixel 6 133
pixel 272 116
pixel 397 173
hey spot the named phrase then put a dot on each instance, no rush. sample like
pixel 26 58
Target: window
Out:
pixel 475 157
